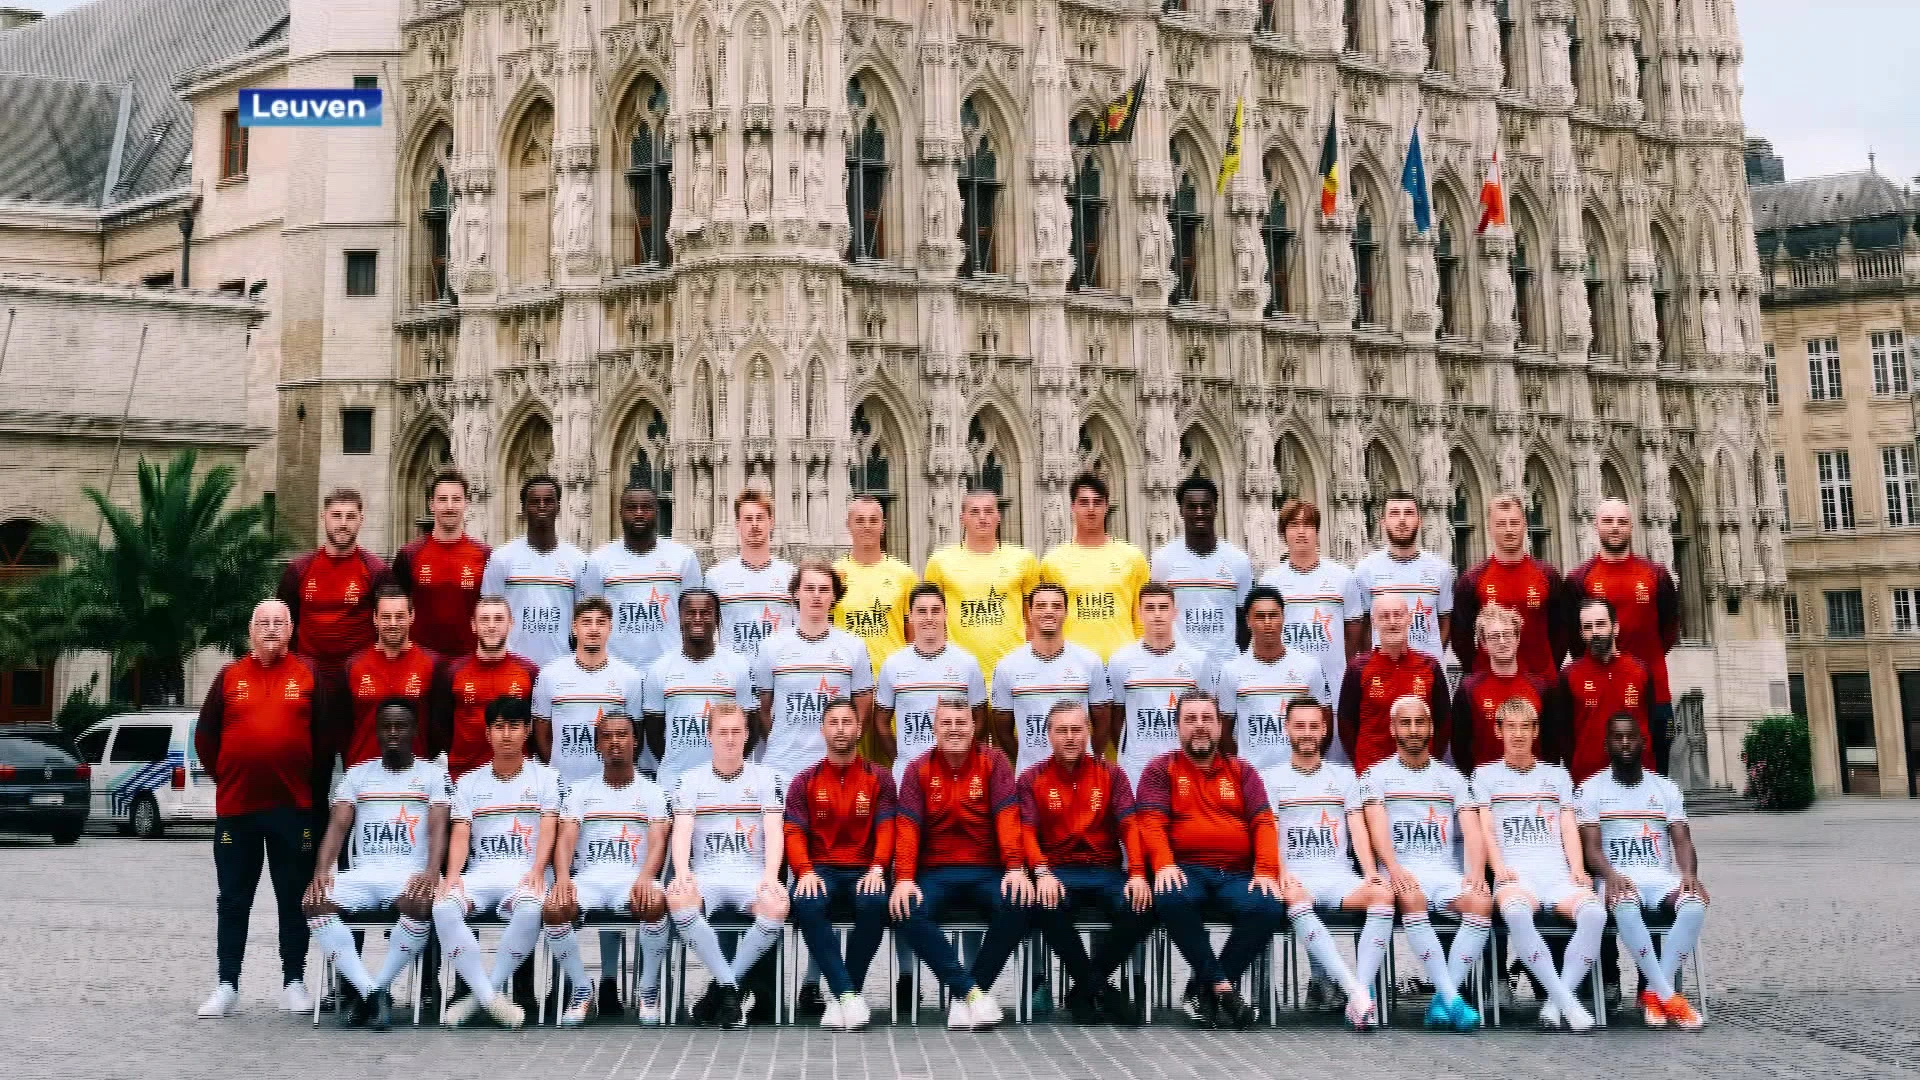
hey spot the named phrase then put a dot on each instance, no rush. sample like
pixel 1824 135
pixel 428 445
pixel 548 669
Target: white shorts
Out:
pixel 495 891
pixel 1549 889
pixel 1440 885
pixel 605 892
pixel 1652 885
pixel 368 888
pixel 720 891
pixel 1329 886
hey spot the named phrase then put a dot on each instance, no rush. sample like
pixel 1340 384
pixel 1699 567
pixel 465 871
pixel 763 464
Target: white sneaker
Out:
pixel 294 999
pixel 854 1014
pixel 832 1019
pixel 577 1009
pixel 505 1012
pixel 459 1011
pixel 960 1016
pixel 220 1002
pixel 647 1011
pixel 1578 1019
pixel 986 1011
pixel 1550 1017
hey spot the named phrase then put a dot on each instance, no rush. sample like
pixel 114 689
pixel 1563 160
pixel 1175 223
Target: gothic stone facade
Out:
pixel 820 248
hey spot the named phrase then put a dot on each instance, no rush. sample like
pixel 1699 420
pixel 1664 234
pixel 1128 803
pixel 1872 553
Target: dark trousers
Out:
pixel 978 886
pixel 1103 889
pixel 812 915
pixel 1225 897
pixel 283 840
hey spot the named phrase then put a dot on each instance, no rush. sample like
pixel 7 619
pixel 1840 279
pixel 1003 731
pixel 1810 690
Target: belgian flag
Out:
pixel 1115 123
pixel 1230 164
pixel 1330 169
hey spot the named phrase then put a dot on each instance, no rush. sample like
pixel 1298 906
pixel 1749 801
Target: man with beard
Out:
pixel 1401 569
pixel 392 667
pixel 642 575
pixel 1647 612
pixel 1209 576
pixel 1599 684
pixel 1531 589
pixel 537 574
pixel 442 571
pixel 466 686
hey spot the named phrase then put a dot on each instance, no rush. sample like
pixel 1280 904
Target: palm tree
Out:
pixel 180 575
pixel 20 643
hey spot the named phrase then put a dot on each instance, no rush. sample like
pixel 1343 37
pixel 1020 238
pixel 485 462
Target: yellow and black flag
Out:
pixel 1230 163
pixel 1115 123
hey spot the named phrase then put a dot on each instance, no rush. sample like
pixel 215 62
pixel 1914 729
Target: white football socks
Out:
pixel 1468 942
pixel 407 941
pixel 336 943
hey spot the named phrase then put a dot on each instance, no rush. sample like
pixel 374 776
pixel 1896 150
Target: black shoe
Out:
pixel 523 992
pixel 732 1015
pixel 350 1009
pixel 379 1010
pixel 707 1009
pixel 1117 1006
pixel 609 998
pixel 1234 1011
pixel 1083 1005
pixel 903 997
pixel 1201 1005
pixel 811 1001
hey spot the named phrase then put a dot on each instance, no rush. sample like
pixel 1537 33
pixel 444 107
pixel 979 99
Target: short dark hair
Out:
pixel 593 603
pixel 697 590
pixel 1047 586
pixel 1304 701
pixel 1157 588
pixel 395 701
pixel 390 591
pixel 925 588
pixel 535 481
pixel 1400 495
pixel 1189 696
pixel 1590 601
pixel 1624 715
pixel 1264 592
pixel 817 566
pixel 838 701
pixel 450 476
pixel 639 485
pixel 1091 481
pixel 508 709
pixel 614 713
pixel 1197 483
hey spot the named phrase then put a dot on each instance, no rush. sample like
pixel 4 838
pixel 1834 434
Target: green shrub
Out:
pixel 1778 752
pixel 81 711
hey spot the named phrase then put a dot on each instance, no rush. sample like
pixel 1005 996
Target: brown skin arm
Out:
pixel 1004 735
pixel 1598 866
pixel 1359 633
pixel 1686 858
pixel 542 747
pixel 880 728
pixel 1105 725
pixel 417 901
pixel 1229 742
pixel 339 824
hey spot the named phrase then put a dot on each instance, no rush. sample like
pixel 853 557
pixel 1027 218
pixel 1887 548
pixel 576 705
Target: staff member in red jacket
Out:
pixel 466 686
pixel 1382 675
pixel 1497 634
pixel 958 838
pixel 1646 608
pixel 1077 813
pixel 256 736
pixel 839 826
pixel 1603 682
pixel 392 667
pixel 1206 826
pixel 442 570
pixel 1532 589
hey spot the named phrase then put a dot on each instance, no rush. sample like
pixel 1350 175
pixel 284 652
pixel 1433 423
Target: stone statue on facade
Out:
pixel 703 502
pixel 701 201
pixel 1690 90
pixel 815 182
pixel 1712 330
pixel 1246 275
pixel 1732 573
pixel 1646 325
pixel 1336 268
pixel 819 512
pixel 1500 295
pixel 1554 63
pixel 1480 33
pixel 1402 20
pixel 580 218
pixel 759 177
pixel 759 403
pixel 1574 316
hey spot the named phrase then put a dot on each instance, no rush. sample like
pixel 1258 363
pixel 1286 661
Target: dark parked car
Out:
pixel 45 787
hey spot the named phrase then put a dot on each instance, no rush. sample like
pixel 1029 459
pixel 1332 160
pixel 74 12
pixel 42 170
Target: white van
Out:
pixel 146 775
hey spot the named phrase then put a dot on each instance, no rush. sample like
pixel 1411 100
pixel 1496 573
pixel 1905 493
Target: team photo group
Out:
pixel 540 744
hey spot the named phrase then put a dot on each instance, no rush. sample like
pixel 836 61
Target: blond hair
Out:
pixel 1495 615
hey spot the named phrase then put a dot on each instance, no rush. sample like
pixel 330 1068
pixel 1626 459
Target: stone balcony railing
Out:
pixel 1823 272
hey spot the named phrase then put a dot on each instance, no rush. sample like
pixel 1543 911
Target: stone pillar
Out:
pixel 471 274
pixel 577 265
pixel 1346 408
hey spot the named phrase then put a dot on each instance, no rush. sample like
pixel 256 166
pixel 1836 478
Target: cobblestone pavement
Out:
pixel 106 950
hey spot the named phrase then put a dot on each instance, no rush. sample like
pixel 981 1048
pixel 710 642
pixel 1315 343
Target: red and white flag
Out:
pixel 1493 197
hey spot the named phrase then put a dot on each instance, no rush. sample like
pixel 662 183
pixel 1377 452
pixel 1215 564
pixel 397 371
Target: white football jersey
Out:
pixel 505 815
pixel 645 593
pixel 753 603
pixel 1207 593
pixel 1320 603
pixel 803 676
pixel 911 685
pixel 1526 810
pixel 1148 685
pixel 729 839
pixel 1310 811
pixel 572 698
pixel 1426 581
pixel 1027 686
pixel 390 812
pixel 1633 820
pixel 685 691
pixel 540 587
pixel 1423 807
pixel 1255 693
pixel 614 824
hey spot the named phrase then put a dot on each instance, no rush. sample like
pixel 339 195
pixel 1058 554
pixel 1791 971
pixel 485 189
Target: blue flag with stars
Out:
pixel 1413 178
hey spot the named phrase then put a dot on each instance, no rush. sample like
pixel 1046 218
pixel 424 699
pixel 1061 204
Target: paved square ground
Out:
pixel 106 949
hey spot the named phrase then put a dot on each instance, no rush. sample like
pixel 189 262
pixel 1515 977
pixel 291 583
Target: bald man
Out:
pixel 256 738
pixel 1646 606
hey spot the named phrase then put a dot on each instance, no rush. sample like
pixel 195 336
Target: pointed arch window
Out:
pixel 1365 250
pixel 1382 479
pixel 992 468
pixel 1460 521
pixel 1446 267
pixel 434 220
pixel 867 170
pixel 1509 42
pixel 1184 221
pixel 1576 57
pixel 871 472
pixel 650 467
pixel 1279 237
pixel 1351 26
pixel 650 182
pixel 979 194
pixel 1662 305
pixel 1600 341
pixel 1086 211
pixel 1521 265
pixel 1540 512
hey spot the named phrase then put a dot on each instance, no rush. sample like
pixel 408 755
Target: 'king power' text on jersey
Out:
pixel 540 587
pixel 1207 593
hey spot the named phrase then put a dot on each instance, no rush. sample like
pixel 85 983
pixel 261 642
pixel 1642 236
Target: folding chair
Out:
pixel 1339 923
pixel 1088 921
pixel 488 921
pixel 673 993
pixel 367 922
pixel 840 916
pixel 1445 925
pixel 1555 927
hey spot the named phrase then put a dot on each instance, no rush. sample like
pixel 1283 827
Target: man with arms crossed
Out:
pixel 1531 589
pixel 537 574
pixel 726 854
pixel 1319 813
pixel 985 582
pixel 611 848
pixel 1077 814
pixel 395 808
pixel 1145 681
pixel 1422 818
pixel 1401 569
pixel 839 832
pixel 442 570
pixel 1102 576
pixel 1383 675
pixel 499 851
pixel 1046 669
pixel 1646 612
pixel 1324 608
pixel 1255 687
pixel 1207 830
pixel 685 686
pixel 1633 825
pixel 917 676
pixel 1209 576
pixel 466 686
pixel 1533 849
pixel 755 589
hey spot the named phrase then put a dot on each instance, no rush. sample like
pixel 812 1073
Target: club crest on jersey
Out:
pixel 1641 592
pixel 353 593
pixel 1533 596
pixel 466 577
pixel 1094 798
pixel 312 590
pixel 976 788
pixel 365 689
pixel 241 692
pixel 293 690
pixel 1053 799
pixel 862 805
pixel 1632 696
pixel 1226 789
pixel 413 684
pixel 1376 687
pixel 1419 684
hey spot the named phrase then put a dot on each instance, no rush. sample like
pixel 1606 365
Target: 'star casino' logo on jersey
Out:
pixel 1150 722
pixel 625 847
pixel 515 843
pixel 641 616
pixel 749 634
pixel 1265 728
pixel 1530 829
pixel 989 610
pixel 576 739
pixel 1313 635
pixel 1640 849
pixel 741 840
pixel 394 837
pixel 685 732
pixel 867 622
pixel 807 706
pixel 1318 840
pixel 1423 836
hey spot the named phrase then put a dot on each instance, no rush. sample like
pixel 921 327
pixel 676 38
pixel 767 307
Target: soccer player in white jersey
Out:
pixel 1319 812
pixel 1048 668
pixel 1325 612
pixel 1402 569
pixel 572 692
pixel 1210 577
pixel 611 848
pixel 498 853
pixel 641 574
pixel 1421 816
pixel 802 667
pixel 727 850
pixel 395 809
pixel 538 574
pixel 1633 825
pixel 1533 849
pixel 755 589
pixel 1255 686
pixel 1145 681
pixel 914 679
pixel 684 686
